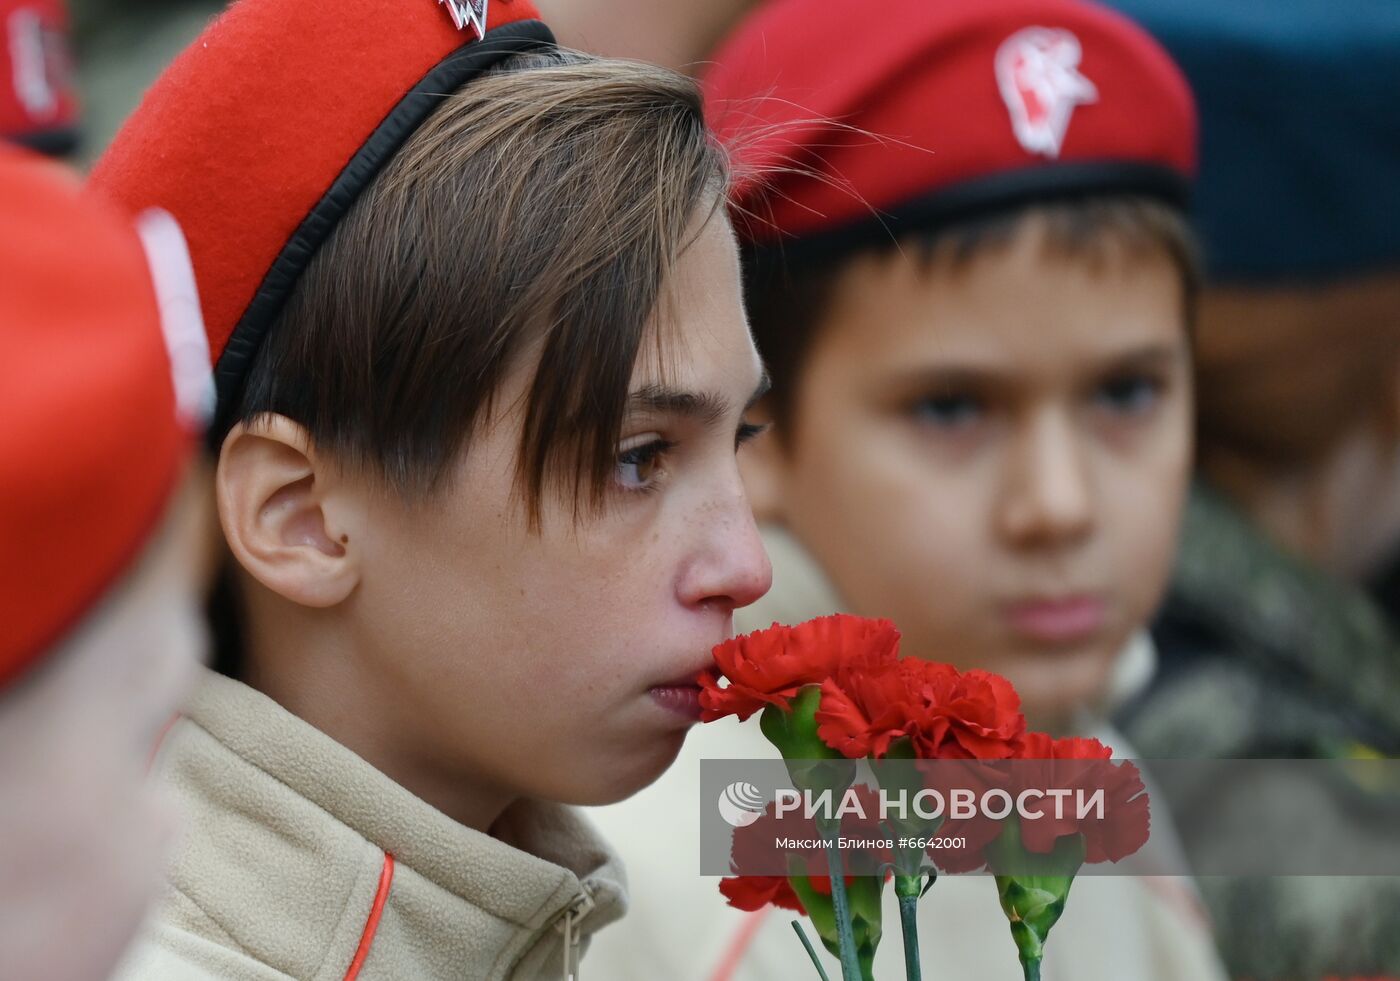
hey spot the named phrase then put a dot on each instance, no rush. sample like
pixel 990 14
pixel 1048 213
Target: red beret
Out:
pixel 918 111
pixel 263 133
pixel 38 107
pixel 94 426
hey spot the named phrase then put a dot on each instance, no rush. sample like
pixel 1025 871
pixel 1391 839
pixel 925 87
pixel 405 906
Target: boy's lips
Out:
pixel 684 700
pixel 1058 620
pixel 682 694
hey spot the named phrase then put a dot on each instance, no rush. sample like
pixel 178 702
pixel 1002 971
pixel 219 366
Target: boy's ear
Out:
pixel 282 514
pixel 763 464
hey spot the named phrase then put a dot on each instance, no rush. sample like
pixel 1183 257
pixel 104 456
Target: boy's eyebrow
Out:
pixel 707 407
pixel 1148 355
pixel 961 375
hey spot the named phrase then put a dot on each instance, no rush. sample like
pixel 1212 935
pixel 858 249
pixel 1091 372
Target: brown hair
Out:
pixel 1285 373
pixel 786 302
pixel 536 213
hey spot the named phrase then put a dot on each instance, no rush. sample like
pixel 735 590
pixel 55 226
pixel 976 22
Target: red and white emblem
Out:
pixel 39 66
pixel 1038 74
pixel 468 13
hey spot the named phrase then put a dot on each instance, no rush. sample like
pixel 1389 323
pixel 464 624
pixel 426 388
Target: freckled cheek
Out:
pixel 601 599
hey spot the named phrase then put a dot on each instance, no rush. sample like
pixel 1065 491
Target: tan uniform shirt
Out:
pixel 300 860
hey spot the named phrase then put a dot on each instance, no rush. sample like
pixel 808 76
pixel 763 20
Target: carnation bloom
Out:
pixel 769 667
pixel 753 892
pixel 1084 765
pixel 946 714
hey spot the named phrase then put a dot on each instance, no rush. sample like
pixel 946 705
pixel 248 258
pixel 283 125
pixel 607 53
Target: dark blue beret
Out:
pixel 1299 103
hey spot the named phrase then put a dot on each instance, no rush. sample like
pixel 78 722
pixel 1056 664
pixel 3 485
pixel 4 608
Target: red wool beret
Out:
pixel 38 107
pixel 263 133
pixel 94 425
pixel 848 130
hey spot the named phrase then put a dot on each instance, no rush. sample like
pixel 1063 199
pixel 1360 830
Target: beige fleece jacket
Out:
pixel 300 860
pixel 1113 929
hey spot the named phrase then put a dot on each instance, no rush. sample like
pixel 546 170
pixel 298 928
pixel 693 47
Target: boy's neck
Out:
pixel 305 661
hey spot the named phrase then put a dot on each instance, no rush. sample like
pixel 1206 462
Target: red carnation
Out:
pixel 972 716
pixel 946 714
pixel 769 667
pixel 753 892
pixel 1084 765
pixel 866 708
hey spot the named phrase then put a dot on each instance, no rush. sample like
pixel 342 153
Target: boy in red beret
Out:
pixel 38 99
pixel 970 275
pixel 483 369
pixel 102 550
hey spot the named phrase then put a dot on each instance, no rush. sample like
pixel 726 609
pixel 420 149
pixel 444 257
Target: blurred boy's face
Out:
pixel 996 455
pixel 83 830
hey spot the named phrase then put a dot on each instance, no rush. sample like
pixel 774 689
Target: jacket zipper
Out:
pixel 576 911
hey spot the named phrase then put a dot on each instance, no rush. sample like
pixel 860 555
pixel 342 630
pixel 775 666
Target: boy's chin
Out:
pixel 1059 687
pixel 615 780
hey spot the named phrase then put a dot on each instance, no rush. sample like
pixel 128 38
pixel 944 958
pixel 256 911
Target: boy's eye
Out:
pixel 748 432
pixel 1129 395
pixel 639 466
pixel 947 411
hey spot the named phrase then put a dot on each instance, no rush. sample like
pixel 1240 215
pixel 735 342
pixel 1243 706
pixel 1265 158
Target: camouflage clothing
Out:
pixel 1263 656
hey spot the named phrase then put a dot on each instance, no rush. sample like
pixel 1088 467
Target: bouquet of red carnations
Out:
pixel 834 691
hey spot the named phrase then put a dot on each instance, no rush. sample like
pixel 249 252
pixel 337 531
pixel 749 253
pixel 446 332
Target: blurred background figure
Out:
pixel 1277 610
pixel 72 70
pixel 121 46
pixel 38 101
pixel 103 556
pixel 1280 634
pixel 674 33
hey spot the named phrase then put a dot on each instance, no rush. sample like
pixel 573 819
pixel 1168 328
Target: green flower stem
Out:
pixel 1031 968
pixel 909 924
pixel 802 935
pixel 850 966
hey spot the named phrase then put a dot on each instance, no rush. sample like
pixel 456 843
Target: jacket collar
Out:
pixel 544 864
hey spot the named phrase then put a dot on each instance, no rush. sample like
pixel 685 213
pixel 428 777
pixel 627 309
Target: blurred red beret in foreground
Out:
pixel 94 423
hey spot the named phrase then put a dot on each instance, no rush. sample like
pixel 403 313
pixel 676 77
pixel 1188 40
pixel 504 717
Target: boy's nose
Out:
pixel 1048 499
pixel 731 567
